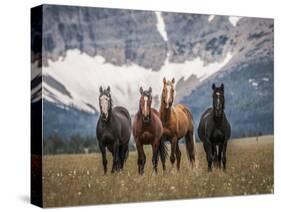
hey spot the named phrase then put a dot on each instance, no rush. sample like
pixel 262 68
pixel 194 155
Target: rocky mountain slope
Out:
pixel 198 49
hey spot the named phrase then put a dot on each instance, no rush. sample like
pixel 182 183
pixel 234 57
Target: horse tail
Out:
pixel 190 147
pixel 190 139
pixel 163 151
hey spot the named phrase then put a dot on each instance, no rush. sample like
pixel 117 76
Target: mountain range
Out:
pixel 84 48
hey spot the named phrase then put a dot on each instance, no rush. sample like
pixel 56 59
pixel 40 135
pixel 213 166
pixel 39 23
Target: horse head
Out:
pixel 218 100
pixel 168 92
pixel 145 104
pixel 105 103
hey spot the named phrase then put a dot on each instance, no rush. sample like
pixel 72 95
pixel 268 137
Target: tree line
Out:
pixel 76 144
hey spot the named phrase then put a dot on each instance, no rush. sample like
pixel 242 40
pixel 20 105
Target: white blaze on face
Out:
pixel 218 99
pixel 145 105
pixel 168 95
pixel 104 101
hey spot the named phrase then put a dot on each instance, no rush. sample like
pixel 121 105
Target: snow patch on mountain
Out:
pixel 211 17
pixel 234 19
pixel 161 26
pixel 82 76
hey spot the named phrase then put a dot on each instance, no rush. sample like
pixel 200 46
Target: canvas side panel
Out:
pixel 36 105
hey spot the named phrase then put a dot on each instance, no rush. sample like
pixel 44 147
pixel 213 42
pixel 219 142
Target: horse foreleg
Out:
pixel 116 157
pixel 123 151
pixel 162 153
pixel 208 149
pixel 173 150
pixel 155 151
pixel 178 155
pixel 224 155
pixel 141 158
pixel 104 160
pixel 219 155
pixel 215 155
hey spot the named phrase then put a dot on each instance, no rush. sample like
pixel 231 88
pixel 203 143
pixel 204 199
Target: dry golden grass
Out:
pixel 79 179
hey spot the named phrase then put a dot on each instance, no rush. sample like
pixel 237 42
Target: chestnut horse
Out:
pixel 147 129
pixel 177 122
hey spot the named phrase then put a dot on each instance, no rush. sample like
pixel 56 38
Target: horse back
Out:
pixel 123 119
pixel 123 111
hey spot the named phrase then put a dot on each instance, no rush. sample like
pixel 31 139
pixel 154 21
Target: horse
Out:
pixel 147 129
pixel 214 130
pixel 113 131
pixel 177 123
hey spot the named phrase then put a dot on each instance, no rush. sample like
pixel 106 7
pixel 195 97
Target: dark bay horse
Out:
pixel 214 129
pixel 177 123
pixel 113 131
pixel 147 129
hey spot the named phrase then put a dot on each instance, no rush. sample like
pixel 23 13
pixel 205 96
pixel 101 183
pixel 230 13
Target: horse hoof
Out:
pixel 193 165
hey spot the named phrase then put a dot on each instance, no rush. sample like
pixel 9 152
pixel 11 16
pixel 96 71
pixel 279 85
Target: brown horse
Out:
pixel 147 129
pixel 177 122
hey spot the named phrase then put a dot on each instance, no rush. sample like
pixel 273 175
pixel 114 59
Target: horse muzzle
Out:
pixel 145 119
pixel 104 116
pixel 168 105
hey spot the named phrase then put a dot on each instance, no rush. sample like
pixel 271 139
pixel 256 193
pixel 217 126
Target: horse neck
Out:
pixel 218 119
pixel 165 114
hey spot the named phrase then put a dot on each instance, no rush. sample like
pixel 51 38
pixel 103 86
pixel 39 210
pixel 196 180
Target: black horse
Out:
pixel 113 131
pixel 214 130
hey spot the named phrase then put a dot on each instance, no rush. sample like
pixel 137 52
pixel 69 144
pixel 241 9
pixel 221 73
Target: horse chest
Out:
pixel 107 134
pixel 217 136
pixel 146 137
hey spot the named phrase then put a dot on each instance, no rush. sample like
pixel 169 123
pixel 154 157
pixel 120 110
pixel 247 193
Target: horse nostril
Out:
pixel 145 118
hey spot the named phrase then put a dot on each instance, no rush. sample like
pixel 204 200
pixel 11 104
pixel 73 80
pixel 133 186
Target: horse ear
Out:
pixel 164 80
pixel 101 89
pixel 173 80
pixel 141 90
pixel 150 90
pixel 213 86
pixel 108 89
pixel 222 87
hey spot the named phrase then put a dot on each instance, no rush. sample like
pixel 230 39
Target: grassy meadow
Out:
pixel 79 180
